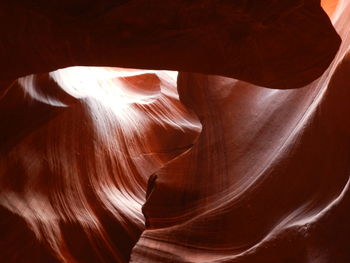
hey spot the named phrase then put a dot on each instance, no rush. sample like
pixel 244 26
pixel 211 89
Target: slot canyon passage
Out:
pixel 175 131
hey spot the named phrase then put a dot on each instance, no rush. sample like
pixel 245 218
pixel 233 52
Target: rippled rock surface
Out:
pixel 220 162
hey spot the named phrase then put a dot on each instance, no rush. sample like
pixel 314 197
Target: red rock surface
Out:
pixel 251 40
pixel 106 164
pixel 267 180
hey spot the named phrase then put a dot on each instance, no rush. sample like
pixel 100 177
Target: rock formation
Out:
pixel 241 156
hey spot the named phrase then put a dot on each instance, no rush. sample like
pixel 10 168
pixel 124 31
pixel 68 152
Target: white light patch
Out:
pixel 113 87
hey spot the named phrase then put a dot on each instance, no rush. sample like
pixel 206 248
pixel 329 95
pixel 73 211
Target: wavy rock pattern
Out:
pixel 267 179
pixel 78 175
pixel 101 164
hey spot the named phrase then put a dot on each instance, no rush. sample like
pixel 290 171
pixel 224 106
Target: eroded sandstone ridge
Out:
pixel 251 40
pixel 221 162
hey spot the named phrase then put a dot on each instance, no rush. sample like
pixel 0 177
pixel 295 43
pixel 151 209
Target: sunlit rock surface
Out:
pixel 77 174
pixel 104 164
pixel 267 180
